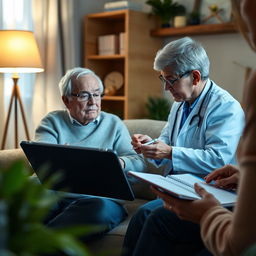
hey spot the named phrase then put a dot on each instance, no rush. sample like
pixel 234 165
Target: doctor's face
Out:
pixel 84 104
pixel 180 86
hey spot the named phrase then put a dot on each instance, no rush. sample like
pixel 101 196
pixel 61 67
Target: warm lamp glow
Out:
pixel 19 52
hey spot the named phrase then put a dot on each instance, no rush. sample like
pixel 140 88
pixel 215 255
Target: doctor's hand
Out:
pixel 157 150
pixel 138 140
pixel 186 209
pixel 226 177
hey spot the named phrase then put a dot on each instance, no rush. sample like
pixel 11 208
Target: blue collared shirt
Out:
pixel 187 110
pixel 75 122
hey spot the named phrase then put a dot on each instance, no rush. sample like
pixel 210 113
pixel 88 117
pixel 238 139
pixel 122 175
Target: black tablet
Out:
pixel 83 170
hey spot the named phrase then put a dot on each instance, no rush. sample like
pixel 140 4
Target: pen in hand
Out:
pixel 150 142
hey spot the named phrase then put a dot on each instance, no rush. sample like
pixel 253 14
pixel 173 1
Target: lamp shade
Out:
pixel 19 52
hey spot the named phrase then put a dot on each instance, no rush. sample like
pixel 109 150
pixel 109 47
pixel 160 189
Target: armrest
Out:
pixel 9 156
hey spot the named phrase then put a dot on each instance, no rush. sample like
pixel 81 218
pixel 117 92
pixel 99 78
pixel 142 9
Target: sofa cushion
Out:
pixel 8 156
pixel 150 127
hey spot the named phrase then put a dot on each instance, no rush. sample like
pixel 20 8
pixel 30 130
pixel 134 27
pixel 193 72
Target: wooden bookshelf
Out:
pixel 136 65
pixel 203 29
pixel 105 57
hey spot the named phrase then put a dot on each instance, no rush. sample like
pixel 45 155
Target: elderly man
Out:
pixel 84 124
pixel 202 133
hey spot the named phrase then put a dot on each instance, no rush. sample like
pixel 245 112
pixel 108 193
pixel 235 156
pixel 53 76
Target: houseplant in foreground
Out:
pixel 24 203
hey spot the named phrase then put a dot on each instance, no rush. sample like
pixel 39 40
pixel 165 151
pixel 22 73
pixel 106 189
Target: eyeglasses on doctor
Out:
pixel 85 96
pixel 171 82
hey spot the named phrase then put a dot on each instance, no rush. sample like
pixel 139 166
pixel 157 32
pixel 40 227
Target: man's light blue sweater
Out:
pixel 107 131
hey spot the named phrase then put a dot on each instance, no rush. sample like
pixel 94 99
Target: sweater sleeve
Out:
pixel 215 230
pixel 133 161
pixel 46 132
pixel 224 232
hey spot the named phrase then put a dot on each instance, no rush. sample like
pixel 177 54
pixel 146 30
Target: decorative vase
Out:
pixel 179 21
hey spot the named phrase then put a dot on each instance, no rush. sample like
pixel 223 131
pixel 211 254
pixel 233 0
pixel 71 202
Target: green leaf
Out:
pixel 81 230
pixel 71 246
pixel 165 9
pixel 26 203
pixel 13 180
pixel 158 108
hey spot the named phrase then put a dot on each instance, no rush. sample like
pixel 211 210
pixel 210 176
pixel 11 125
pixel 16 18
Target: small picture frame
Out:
pixel 216 11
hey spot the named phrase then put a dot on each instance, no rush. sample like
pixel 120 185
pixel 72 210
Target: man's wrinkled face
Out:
pixel 85 102
pixel 180 87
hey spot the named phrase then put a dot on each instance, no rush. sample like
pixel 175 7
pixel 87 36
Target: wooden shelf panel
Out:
pixel 204 29
pixel 105 57
pixel 115 98
pixel 139 54
pixel 118 14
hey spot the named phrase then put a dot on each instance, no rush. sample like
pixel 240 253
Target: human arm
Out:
pixel 156 150
pixel 138 140
pixel 190 210
pixel 195 211
pixel 223 232
pixel 47 129
pixel 240 231
pixel 201 149
pixel 129 159
pixel 226 177
pixel 229 233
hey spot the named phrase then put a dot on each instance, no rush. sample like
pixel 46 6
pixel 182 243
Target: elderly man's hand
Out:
pixel 186 209
pixel 158 150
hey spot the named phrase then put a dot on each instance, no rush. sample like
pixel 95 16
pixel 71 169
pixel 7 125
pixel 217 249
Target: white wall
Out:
pixel 229 54
pixel 82 8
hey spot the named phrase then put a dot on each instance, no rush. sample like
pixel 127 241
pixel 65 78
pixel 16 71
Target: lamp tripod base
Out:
pixel 16 98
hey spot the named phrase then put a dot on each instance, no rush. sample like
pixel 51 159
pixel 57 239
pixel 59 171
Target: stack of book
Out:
pixel 111 44
pixel 108 44
pixel 119 5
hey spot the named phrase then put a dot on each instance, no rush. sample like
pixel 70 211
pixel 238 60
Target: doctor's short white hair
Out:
pixel 183 55
pixel 65 84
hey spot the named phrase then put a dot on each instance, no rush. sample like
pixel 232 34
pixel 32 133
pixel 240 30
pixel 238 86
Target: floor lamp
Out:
pixel 19 54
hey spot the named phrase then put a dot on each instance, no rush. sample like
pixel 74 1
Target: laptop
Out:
pixel 83 170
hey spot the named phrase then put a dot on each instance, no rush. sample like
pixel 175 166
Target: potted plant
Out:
pixel 180 19
pixel 24 204
pixel 194 18
pixel 166 10
pixel 158 108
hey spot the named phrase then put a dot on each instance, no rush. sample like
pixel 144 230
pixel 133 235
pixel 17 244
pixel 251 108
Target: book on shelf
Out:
pixel 118 5
pixel 182 186
pixel 122 43
pixel 108 44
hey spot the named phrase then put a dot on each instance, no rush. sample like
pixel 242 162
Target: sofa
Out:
pixel 113 240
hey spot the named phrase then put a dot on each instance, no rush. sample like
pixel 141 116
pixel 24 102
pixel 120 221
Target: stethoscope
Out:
pixel 198 115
